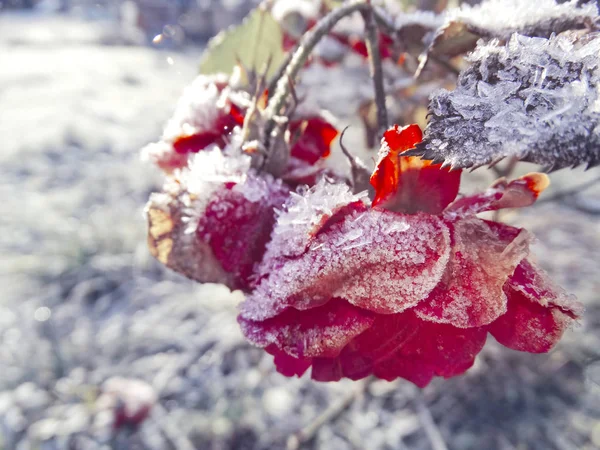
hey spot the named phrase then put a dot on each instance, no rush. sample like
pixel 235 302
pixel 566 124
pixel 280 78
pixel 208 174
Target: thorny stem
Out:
pixel 300 55
pixel 372 40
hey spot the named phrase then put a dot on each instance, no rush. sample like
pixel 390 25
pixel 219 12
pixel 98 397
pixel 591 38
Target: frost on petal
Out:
pixel 313 138
pixel 538 311
pixel 377 260
pixel 306 213
pixel 317 332
pixel 483 256
pixel 409 184
pixel 518 193
pixel 238 221
pixel 223 214
pixel 532 98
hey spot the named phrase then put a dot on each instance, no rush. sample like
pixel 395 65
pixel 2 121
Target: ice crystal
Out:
pixel 536 99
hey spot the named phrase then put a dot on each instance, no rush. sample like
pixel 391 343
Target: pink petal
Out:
pixel 317 332
pixel 518 193
pixel 483 256
pixel 538 311
pixel 409 184
pixel 377 260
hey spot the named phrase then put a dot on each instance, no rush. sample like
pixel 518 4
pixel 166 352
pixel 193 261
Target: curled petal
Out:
pixel 483 256
pixel 317 332
pixel 180 251
pixel 377 260
pixel 538 311
pixel 518 193
pixel 410 184
pixel 315 136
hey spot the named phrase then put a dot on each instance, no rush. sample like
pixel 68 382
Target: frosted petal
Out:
pixel 483 256
pixel 378 260
pixel 317 332
pixel 518 193
pixel 538 311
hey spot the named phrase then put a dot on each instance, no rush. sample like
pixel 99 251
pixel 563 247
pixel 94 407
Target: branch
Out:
pixel 372 40
pixel 309 431
pixel 301 54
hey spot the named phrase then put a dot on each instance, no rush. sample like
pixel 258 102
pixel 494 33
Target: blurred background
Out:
pixel 94 332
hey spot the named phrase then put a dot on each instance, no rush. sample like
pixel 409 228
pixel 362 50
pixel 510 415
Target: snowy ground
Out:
pixel 83 301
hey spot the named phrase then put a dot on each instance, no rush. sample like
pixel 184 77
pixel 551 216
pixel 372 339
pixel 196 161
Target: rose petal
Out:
pixel 483 256
pixel 237 224
pixel 377 260
pixel 315 138
pixel 317 332
pixel 288 365
pixel 401 345
pixel 518 193
pixel 538 311
pixel 180 251
pixel 410 184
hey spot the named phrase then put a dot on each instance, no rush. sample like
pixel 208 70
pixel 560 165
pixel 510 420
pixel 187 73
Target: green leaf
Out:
pixel 258 38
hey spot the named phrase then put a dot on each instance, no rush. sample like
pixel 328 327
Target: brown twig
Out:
pixel 431 430
pixel 309 431
pixel 372 41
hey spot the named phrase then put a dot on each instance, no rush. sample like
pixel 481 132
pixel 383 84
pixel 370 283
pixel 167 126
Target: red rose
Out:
pixel 408 286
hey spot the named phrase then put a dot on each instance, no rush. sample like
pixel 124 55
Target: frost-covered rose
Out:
pixel 213 219
pixel 408 286
pixel 210 114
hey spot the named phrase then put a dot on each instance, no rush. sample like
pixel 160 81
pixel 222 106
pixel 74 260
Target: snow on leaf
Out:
pixel 256 41
pixel 499 19
pixel 535 99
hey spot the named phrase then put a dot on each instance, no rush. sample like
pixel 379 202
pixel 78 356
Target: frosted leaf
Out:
pixel 535 99
pixel 499 19
pixel 483 256
pixel 538 311
pixel 541 18
pixel 372 269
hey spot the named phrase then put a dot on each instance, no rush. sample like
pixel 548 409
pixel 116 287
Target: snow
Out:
pixel 533 98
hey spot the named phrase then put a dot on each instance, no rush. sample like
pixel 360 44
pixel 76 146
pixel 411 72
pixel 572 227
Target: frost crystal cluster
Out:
pixel 536 99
